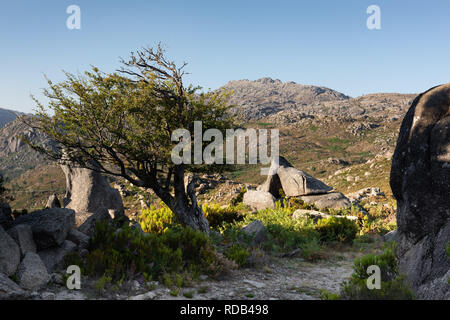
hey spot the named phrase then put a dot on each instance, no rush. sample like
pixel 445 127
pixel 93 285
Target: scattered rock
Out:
pixel 53 258
pixel 9 290
pixel 317 215
pixel 420 181
pixel 145 296
pixel 9 254
pixel 258 200
pixel 23 235
pixel 256 284
pixel 257 230
pixel 70 295
pixel 48 296
pixel 332 200
pixel 32 273
pixel 50 226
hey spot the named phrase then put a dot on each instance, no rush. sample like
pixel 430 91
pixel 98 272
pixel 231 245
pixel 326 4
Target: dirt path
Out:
pixel 279 279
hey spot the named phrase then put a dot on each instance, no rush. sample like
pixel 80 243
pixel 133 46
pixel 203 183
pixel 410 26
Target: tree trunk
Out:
pixel 188 212
pixel 184 204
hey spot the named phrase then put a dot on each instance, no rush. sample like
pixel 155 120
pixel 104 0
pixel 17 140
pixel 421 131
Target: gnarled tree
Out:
pixel 121 124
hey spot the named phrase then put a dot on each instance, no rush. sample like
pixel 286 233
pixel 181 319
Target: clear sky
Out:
pixel 315 42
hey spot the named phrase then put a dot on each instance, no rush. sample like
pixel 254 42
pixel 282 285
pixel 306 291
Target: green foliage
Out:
pixel 447 249
pixel 218 216
pixel 328 295
pixel 387 261
pixel 393 285
pixel 158 221
pixel 337 229
pixel 238 254
pixel 125 252
pixel 284 234
pixel 102 283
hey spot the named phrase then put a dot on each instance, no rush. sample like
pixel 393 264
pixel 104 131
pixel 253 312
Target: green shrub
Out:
pixel 393 285
pixel 218 216
pixel 155 220
pixel 238 254
pixel 126 252
pixel 387 261
pixel 337 229
pixel 284 233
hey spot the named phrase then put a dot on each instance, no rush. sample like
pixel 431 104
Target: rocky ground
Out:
pixel 280 279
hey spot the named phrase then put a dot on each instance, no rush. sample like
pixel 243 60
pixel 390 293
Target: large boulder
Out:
pixel 89 191
pixel 294 182
pixel 5 216
pixel 332 200
pixel 420 181
pixel 9 290
pixel 23 235
pixel 88 226
pixel 32 273
pixel 50 226
pixel 256 230
pixel 53 258
pixel 258 200
pixel 9 254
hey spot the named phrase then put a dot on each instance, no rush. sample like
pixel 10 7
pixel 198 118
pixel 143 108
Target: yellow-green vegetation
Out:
pixel 392 287
pixel 156 220
pixel 337 229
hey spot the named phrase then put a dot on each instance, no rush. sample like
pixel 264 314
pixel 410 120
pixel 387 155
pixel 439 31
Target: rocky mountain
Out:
pixel 286 102
pixel 263 97
pixel 16 156
pixel 7 116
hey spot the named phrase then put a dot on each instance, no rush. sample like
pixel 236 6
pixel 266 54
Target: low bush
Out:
pixel 218 216
pixel 238 254
pixel 125 252
pixel 392 286
pixel 337 229
pixel 157 220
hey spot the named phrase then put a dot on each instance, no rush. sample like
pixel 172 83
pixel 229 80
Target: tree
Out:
pixel 121 124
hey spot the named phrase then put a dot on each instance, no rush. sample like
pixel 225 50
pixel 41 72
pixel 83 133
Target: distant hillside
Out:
pixel 7 116
pixel 263 97
pixel 17 157
pixel 279 102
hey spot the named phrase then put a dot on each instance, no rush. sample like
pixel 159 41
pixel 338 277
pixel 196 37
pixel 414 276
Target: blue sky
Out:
pixel 315 42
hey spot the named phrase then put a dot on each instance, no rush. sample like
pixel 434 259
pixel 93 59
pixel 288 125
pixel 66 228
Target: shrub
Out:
pixel 238 254
pixel 284 234
pixel 154 220
pixel 337 229
pixel 393 285
pixel 218 216
pixel 126 252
